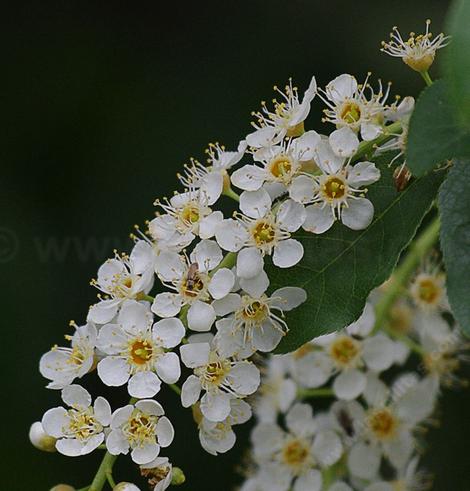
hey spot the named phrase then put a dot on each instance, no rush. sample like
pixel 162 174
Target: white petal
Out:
pixel 299 420
pixel 120 416
pixel 267 337
pixel 76 396
pixel 170 266
pixel 327 448
pixel 150 406
pixel 363 174
pixel 248 177
pixel 143 384
pixel 54 421
pixel 195 354
pixel 165 432
pixel 190 391
pixel 376 392
pixel 102 411
pixel 167 304
pixel 112 340
pixel 212 186
pixel 349 384
pixel 215 406
pixel 113 371
pixel 255 286
pixel 288 253
pixel 249 262
pixel 364 461
pixel 169 332
pixel 370 131
pixel 263 137
pixel 317 219
pixel 304 146
pixel 134 315
pixel 302 189
pixel 227 305
pixel 144 455
pixel 116 443
pixel 288 298
pixel 168 367
pixel 379 352
pixel 358 214
pixel 344 142
pixel 255 204
pixel 221 283
pixel 208 225
pixel 364 325
pixel 244 378
pixel 327 160
pixel 344 86
pixel 291 215
pixel 103 312
pixel 231 235
pixel 311 481
pixel 314 369
pixel 207 255
pixel 201 316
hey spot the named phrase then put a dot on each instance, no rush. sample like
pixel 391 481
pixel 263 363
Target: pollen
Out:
pixel 350 112
pixel 334 188
pixel 345 351
pixel 281 168
pixel 83 424
pixel 263 233
pixel 140 428
pixel 383 424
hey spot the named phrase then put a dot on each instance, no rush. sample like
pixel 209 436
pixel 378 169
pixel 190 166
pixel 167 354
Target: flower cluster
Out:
pixel 214 316
pixel 379 406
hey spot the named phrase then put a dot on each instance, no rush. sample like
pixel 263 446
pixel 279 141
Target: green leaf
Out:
pixel 457 60
pixel 341 267
pixel 434 134
pixel 454 204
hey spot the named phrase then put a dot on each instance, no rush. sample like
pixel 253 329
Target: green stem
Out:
pixel 417 250
pixel 109 477
pixel 227 262
pixel 426 78
pixel 231 194
pixel 175 388
pixel 366 147
pixel 103 471
pixel 309 393
pixel 418 349
pixel 149 298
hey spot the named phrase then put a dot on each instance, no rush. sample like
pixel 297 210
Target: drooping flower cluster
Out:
pixel 215 316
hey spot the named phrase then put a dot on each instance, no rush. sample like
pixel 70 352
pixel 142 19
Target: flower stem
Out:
pixel 231 194
pixel 402 274
pixel 175 388
pixel 104 470
pixel 406 340
pixel 365 147
pixel 426 78
pixel 309 393
pixel 109 477
pixel 227 262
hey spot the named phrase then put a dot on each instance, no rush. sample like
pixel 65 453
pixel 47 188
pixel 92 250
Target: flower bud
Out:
pixel 126 486
pixel 63 487
pixel 177 477
pixel 40 439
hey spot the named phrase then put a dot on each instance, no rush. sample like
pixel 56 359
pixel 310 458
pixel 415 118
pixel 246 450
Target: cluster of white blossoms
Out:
pixel 382 384
pixel 191 308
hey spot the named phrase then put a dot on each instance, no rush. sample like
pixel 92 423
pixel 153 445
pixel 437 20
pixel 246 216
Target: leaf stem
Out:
pixel 365 147
pixel 426 78
pixel 402 274
pixel 310 393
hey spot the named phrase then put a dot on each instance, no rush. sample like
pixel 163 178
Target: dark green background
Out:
pixel 101 106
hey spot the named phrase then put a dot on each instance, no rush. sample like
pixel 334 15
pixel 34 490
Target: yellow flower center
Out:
pixel 190 214
pixel 263 233
pixel 344 351
pixel 141 351
pixel 281 167
pixel 193 285
pixel 334 188
pixel 254 311
pixel 215 372
pixel 383 424
pixel 429 291
pixel 83 424
pixel 140 428
pixel 350 112
pixel 296 453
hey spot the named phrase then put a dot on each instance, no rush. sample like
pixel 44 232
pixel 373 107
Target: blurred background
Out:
pixel 102 103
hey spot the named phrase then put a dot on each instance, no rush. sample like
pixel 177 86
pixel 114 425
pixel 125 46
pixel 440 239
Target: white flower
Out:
pixel 350 353
pixel 62 365
pixel 220 378
pixel 277 391
pixel 337 193
pixel 136 350
pixel 255 322
pixel 122 278
pixel 309 366
pixel 188 213
pixel 260 231
pixel 286 119
pixel 40 439
pixel 143 428
pixel 418 51
pixel 428 291
pixel 193 284
pixel 296 453
pixel 219 437
pixel 280 163
pixel 158 473
pixel 126 486
pixel 211 179
pixel 80 429
pixel 349 106
pixel 388 428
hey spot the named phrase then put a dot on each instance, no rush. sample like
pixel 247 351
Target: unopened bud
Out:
pixel 177 476
pixel 126 486
pixel 40 439
pixel 63 487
